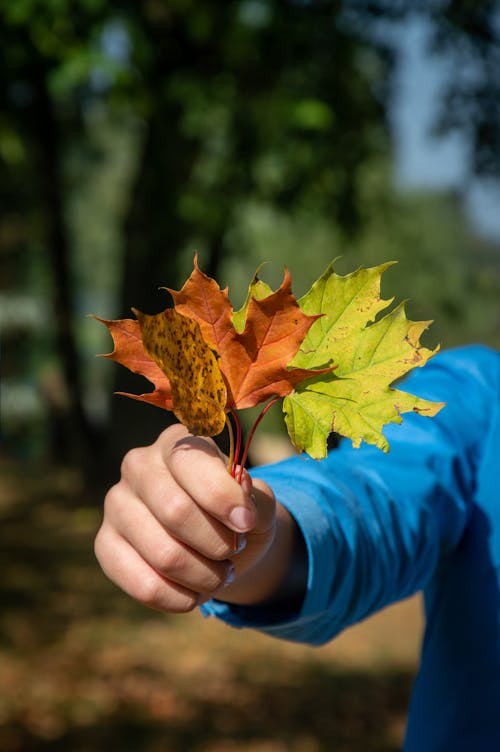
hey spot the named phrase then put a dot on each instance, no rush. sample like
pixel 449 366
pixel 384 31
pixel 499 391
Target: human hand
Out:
pixel 178 529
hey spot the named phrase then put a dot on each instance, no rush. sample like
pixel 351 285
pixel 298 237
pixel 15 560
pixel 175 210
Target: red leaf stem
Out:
pixel 252 433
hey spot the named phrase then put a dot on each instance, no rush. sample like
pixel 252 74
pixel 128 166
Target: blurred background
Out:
pixel 133 134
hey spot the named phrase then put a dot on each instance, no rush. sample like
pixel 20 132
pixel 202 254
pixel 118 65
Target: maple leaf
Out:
pixel 254 359
pixel 129 351
pixel 175 343
pixel 206 361
pixel 357 400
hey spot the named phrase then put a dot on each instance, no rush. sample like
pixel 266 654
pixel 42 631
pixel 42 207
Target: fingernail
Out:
pixel 230 576
pixel 241 518
pixel 242 543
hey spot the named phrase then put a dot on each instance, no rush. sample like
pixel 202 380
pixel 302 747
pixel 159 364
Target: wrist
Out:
pixel 279 578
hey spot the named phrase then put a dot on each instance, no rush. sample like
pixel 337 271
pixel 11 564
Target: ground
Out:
pixel 84 669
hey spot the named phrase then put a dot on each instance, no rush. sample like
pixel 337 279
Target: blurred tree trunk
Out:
pixel 155 229
pixel 153 238
pixel 73 437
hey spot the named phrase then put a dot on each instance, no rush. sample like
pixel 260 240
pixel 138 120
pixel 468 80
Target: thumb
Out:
pixel 263 499
pixel 244 479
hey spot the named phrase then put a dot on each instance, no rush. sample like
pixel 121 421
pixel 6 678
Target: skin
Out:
pixel 179 530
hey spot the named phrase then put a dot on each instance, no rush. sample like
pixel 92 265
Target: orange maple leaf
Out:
pixel 254 362
pixel 129 351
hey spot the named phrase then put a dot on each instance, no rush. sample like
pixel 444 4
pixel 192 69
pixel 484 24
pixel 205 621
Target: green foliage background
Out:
pixel 133 134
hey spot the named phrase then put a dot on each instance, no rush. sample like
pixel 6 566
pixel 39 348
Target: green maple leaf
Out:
pixel 356 400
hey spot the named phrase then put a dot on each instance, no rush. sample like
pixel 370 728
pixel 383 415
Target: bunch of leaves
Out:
pixel 329 355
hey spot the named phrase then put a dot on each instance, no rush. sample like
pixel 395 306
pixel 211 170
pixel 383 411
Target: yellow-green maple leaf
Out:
pixel 257 290
pixel 356 400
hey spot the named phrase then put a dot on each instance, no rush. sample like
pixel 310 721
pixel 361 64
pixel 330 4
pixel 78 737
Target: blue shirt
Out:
pixel 426 516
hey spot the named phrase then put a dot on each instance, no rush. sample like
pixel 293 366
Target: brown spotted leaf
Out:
pixel 176 345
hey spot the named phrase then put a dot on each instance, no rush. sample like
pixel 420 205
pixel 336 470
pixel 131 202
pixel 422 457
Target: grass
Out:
pixel 83 668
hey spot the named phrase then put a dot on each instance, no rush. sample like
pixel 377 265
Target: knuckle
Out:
pixel 177 510
pixel 150 591
pixel 133 462
pixel 112 498
pixel 156 593
pixel 178 458
pixel 115 505
pixel 170 561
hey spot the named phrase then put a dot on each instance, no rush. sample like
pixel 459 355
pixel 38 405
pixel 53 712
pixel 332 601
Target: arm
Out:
pixel 374 525
pixel 377 525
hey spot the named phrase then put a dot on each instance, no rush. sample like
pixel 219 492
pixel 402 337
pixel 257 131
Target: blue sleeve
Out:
pixel 375 524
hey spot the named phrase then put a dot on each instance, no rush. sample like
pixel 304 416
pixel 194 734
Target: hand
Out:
pixel 178 529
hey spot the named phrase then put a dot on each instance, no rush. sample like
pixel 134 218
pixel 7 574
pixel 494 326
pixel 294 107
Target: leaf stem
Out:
pixel 251 435
pixel 231 460
pixel 237 449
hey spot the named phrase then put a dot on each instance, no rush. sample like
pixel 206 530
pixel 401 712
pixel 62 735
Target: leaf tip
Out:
pixel 287 279
pixel 431 409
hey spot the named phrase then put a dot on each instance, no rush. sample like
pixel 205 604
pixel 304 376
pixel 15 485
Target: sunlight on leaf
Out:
pixel 330 355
